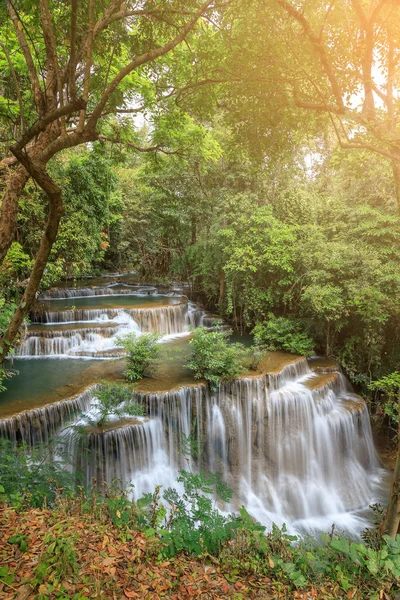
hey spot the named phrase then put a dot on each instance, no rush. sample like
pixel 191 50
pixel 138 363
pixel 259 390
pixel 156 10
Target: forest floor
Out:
pixel 46 554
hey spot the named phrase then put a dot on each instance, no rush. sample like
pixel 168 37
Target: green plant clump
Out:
pixel 33 476
pixel 214 358
pixel 114 400
pixel 389 387
pixel 144 355
pixel 281 333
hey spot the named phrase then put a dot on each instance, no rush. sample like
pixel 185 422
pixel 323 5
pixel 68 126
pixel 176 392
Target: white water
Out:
pixel 107 324
pixel 116 289
pixel 294 449
pixel 291 454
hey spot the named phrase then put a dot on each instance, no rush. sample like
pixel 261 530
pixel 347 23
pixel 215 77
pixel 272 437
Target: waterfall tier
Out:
pixel 165 319
pixel 89 292
pixel 294 446
pixel 94 332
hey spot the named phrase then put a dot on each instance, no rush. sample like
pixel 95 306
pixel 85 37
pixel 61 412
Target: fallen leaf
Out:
pixel 129 594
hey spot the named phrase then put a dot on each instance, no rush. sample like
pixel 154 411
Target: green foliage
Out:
pixel 304 562
pixel 13 271
pixel 6 313
pixel 33 476
pixel 113 400
pixel 281 333
pixel 194 525
pixel 214 358
pixel 59 560
pixel 144 354
pixel 389 387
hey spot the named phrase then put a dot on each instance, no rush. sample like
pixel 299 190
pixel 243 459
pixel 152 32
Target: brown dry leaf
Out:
pixel 131 594
pixel 225 588
pixel 271 562
pixel 24 592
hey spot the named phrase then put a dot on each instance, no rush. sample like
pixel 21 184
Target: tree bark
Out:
pixel 392 520
pixel 396 178
pixel 9 208
pixel 15 184
pixel 42 256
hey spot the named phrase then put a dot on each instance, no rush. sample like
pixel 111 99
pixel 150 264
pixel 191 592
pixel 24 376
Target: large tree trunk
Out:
pixel 9 209
pixel 396 177
pixel 15 183
pixel 42 256
pixel 392 520
pixel 222 289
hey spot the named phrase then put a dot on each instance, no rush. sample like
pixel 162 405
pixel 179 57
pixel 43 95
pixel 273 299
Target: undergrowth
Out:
pixel 190 524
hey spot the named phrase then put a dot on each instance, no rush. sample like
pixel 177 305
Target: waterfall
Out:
pixel 40 424
pixel 125 455
pixel 295 446
pixel 94 332
pixel 59 342
pixel 164 319
pixel 117 289
pixel 181 412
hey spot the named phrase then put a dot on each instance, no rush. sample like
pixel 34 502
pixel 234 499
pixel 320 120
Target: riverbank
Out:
pixel 67 553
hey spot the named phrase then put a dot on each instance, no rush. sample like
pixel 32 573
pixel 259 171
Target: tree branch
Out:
pixel 17 88
pixel 137 147
pixel 318 47
pixel 144 58
pixel 88 65
pixel 37 92
pixel 72 52
pixel 45 121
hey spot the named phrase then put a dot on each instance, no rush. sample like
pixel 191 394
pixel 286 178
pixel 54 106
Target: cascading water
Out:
pixel 91 292
pixel 94 332
pixel 295 446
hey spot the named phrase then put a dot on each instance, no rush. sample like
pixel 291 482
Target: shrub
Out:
pixel 214 358
pixel 193 525
pixel 114 400
pixel 281 333
pixel 389 388
pixel 33 476
pixel 144 354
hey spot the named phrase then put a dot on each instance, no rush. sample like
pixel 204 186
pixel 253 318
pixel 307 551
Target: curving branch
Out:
pixel 319 49
pixel 42 123
pixel 17 88
pixel 37 91
pixel 143 59
pixel 88 64
pixel 157 148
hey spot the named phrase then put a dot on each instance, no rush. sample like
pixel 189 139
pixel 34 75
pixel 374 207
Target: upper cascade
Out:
pixel 116 289
pixel 93 331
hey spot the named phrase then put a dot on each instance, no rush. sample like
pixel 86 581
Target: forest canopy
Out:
pixel 249 148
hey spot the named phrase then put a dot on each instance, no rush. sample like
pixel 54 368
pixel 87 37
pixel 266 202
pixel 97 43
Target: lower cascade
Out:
pixel 296 447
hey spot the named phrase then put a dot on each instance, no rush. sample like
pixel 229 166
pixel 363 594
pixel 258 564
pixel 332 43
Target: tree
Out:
pixel 345 64
pixel 389 386
pixel 95 57
pixel 113 400
pixel 214 358
pixel 144 354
